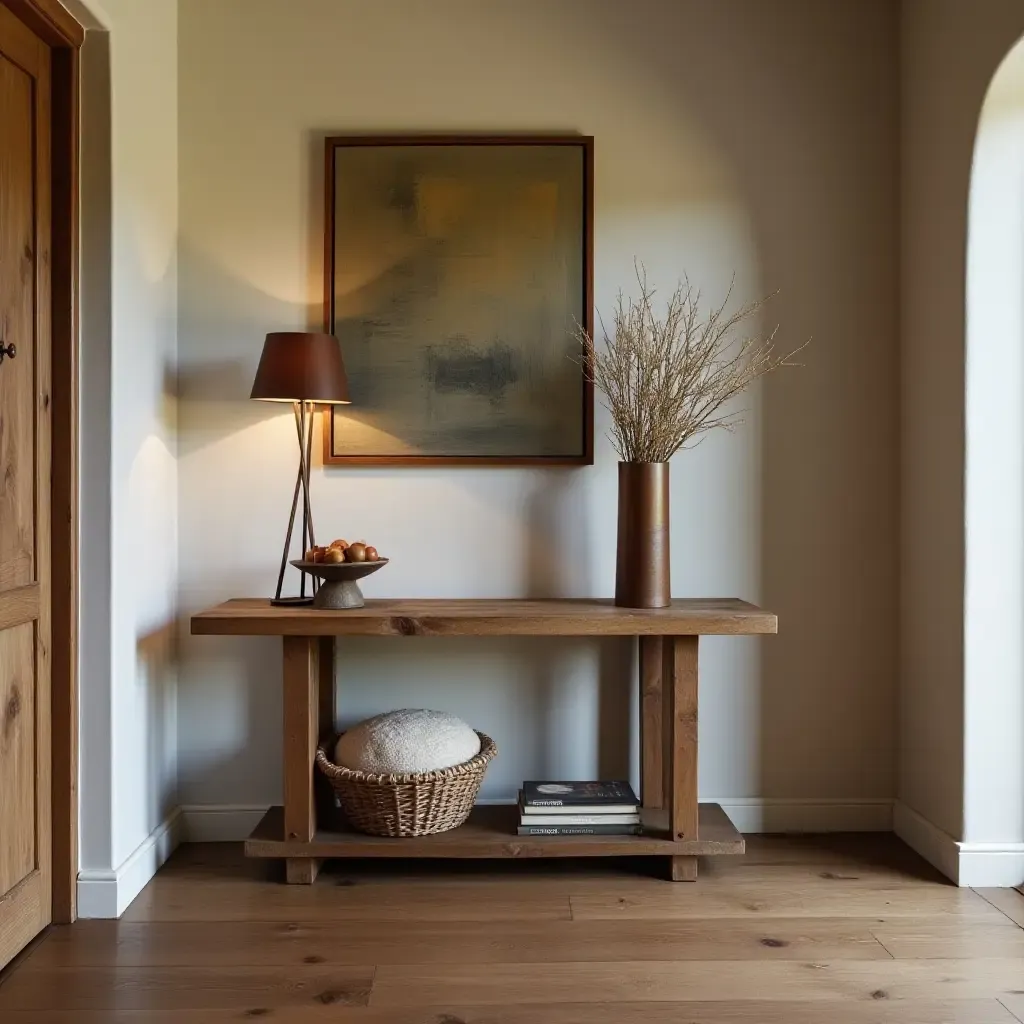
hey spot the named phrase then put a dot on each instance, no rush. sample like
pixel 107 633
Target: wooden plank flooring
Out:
pixel 850 930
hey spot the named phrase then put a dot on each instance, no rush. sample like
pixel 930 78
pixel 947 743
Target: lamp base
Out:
pixel 291 602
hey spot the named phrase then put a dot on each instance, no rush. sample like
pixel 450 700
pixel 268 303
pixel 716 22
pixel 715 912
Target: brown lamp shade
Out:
pixel 299 366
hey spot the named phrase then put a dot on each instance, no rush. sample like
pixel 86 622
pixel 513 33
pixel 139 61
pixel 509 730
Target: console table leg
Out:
pixel 323 793
pixel 301 714
pixel 652 731
pixel 680 686
pixel 302 870
pixel 328 709
pixel 684 869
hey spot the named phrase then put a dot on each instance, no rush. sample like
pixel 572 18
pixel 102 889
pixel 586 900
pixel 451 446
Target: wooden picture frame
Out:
pixel 371 160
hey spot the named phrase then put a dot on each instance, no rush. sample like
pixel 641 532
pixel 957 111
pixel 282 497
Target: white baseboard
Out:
pixel 219 823
pixel 106 893
pixel 768 814
pixel 939 848
pixel 756 814
pixel 991 865
pixel 979 865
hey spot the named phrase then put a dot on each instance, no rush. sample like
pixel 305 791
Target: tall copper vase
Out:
pixel 642 559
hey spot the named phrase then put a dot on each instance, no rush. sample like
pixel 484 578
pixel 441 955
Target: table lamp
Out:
pixel 307 370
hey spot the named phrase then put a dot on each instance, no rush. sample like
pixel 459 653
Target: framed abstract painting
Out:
pixel 457 268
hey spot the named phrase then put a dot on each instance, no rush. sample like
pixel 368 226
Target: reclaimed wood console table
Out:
pixel 674 824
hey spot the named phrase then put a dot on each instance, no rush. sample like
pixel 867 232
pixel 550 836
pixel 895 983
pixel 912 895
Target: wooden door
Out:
pixel 25 826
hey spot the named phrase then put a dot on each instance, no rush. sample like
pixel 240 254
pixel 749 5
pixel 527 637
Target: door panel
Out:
pixel 17 755
pixel 17 483
pixel 25 443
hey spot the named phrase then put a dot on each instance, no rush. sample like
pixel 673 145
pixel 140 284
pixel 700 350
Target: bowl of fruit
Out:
pixel 338 566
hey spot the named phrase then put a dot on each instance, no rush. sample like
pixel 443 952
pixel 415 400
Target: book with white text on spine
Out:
pixel 579 830
pixel 597 797
pixel 571 809
pixel 563 820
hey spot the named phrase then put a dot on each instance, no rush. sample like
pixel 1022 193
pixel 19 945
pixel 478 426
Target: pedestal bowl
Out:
pixel 338 587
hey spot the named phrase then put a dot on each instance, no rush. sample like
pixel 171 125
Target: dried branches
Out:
pixel 666 380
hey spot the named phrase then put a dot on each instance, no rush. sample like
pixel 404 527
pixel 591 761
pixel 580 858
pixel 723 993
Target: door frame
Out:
pixel 56 27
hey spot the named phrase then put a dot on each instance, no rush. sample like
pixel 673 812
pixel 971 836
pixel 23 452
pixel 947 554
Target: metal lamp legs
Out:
pixel 304 431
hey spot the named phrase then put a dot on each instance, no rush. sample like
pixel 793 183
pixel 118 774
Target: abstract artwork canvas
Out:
pixel 457 269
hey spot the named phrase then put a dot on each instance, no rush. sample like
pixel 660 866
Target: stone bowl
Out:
pixel 338 587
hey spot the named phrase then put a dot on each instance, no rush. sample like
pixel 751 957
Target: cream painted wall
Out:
pixel 144 521
pixel 950 51
pixel 760 138
pixel 129 476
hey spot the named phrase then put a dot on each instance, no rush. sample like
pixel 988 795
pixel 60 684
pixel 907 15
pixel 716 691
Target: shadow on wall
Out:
pixel 95 438
pixel 814 152
pixel 229 737
pixel 559 530
pixel 229 699
pixel 825 221
pixel 157 671
pixel 213 393
pixel 825 217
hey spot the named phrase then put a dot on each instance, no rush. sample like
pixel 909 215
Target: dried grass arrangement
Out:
pixel 667 380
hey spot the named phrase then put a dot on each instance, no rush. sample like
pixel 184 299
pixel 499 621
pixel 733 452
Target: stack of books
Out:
pixel 578 809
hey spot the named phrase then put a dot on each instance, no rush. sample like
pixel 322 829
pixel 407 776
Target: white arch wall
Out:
pixel 994 477
pixel 950 52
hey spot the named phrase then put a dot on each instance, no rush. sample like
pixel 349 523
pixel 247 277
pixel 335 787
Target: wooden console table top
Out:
pixel 486 617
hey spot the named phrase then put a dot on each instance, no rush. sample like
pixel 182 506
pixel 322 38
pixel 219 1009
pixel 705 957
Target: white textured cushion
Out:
pixel 407 741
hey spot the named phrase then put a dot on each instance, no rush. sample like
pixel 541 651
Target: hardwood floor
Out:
pixel 818 930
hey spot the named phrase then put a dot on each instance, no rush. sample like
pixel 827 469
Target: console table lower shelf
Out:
pixel 490 832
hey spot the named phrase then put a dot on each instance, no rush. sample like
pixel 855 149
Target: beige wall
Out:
pixel 950 51
pixel 735 135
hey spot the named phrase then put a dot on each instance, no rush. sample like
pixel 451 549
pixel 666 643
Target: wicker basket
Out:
pixel 414 804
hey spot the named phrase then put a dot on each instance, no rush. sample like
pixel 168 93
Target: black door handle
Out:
pixel 10 351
